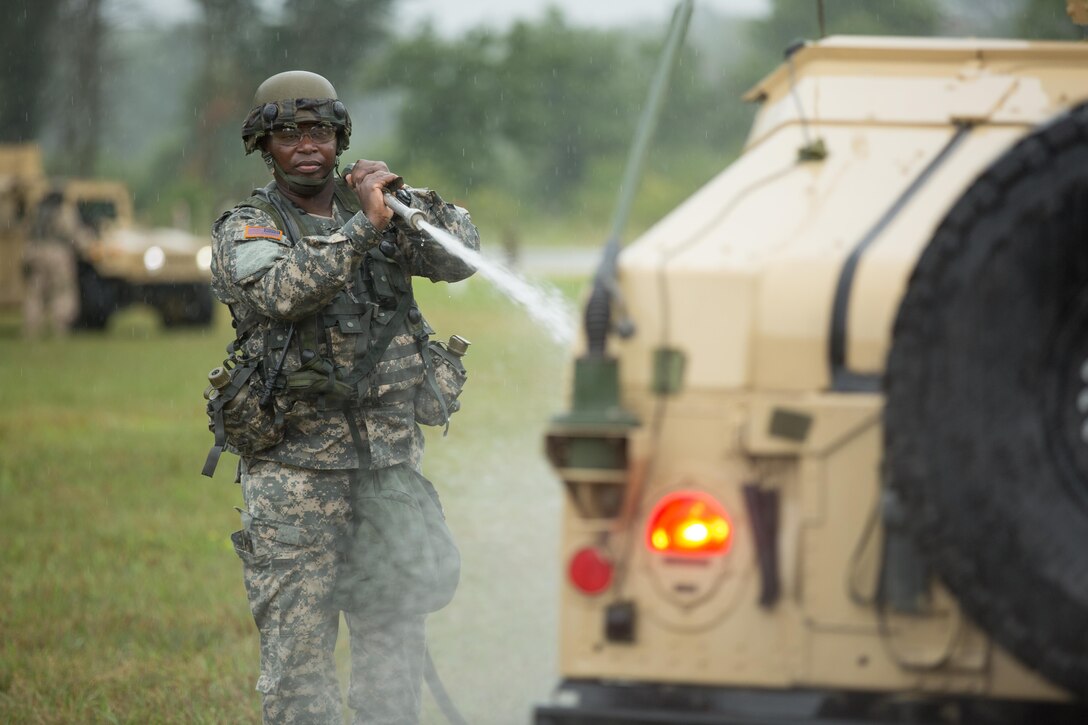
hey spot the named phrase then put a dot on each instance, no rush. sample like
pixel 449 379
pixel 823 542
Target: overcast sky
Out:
pixel 454 16
pixel 451 17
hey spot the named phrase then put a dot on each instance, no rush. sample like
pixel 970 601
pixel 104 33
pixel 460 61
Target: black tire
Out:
pixel 983 430
pixel 98 299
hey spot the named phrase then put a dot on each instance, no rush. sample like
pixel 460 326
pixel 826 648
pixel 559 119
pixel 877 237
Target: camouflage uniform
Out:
pixel 49 261
pixel 330 278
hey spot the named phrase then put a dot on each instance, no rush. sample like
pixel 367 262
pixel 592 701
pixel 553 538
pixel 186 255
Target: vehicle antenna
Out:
pixel 811 149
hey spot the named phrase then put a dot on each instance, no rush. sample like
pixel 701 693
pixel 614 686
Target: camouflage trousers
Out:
pixel 294 528
pixel 52 288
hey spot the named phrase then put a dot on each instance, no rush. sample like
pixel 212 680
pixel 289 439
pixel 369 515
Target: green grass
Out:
pixel 121 599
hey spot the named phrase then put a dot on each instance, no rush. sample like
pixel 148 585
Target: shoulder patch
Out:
pixel 262 233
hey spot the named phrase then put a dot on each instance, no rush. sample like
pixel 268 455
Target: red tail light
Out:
pixel 689 523
pixel 590 570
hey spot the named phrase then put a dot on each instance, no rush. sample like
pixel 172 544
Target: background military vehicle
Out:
pixel 119 262
pixel 835 465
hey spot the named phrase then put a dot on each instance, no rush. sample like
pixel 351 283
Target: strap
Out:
pixel 269 201
pixel 216 408
pixel 363 367
pixel 395 397
pixel 345 308
pixel 345 196
pixel 428 368
pixel 212 461
pixel 357 440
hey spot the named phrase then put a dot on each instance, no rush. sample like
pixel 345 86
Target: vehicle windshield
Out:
pixel 93 212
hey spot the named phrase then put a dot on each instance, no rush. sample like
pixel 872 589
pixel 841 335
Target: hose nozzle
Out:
pixel 399 201
pixel 409 214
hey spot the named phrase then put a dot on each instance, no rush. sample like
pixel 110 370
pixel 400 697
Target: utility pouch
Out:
pixel 317 377
pixel 235 414
pixel 437 398
pixel 401 558
pixel 382 276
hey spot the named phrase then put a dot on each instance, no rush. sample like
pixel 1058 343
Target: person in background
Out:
pixel 51 302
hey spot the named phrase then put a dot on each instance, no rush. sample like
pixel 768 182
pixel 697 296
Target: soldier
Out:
pixel 318 277
pixel 49 264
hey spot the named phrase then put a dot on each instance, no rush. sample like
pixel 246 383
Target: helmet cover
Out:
pixel 293 97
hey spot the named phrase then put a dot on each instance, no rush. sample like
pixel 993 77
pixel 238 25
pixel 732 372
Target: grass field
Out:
pixel 120 596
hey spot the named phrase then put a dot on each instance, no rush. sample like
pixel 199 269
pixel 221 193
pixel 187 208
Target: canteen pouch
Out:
pixel 237 419
pixel 437 398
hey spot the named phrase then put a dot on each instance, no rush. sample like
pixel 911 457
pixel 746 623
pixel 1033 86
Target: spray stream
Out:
pixel 544 303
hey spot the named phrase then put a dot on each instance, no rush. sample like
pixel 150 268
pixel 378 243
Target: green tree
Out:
pixel 538 102
pixel 231 38
pixel 793 19
pixel 450 113
pixel 328 37
pixel 199 163
pixel 569 94
pixel 24 36
pixel 1046 20
pixel 240 48
pixel 82 69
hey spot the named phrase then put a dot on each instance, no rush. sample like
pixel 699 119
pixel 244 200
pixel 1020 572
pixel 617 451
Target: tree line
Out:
pixel 527 125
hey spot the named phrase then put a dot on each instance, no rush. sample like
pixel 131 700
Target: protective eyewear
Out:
pixel 322 133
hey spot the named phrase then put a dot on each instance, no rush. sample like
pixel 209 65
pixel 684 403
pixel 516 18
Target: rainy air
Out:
pixel 673 362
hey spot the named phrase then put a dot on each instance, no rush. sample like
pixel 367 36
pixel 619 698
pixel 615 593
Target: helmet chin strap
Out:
pixel 301 185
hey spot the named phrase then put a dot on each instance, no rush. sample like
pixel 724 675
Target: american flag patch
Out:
pixel 262 233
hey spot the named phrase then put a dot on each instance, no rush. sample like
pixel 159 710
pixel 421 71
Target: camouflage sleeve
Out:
pixel 428 258
pixel 254 263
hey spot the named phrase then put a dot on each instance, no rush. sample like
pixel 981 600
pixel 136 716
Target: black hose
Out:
pixel 438 690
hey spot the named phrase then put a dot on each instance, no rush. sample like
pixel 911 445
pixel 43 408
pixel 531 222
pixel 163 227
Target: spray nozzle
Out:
pixel 394 200
pixel 399 200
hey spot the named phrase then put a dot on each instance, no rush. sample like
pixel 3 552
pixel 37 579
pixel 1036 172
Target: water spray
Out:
pixel 545 304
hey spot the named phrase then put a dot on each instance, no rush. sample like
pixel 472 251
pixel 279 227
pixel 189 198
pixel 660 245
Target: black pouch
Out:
pixel 437 398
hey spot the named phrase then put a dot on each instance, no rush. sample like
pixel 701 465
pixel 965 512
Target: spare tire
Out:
pixel 986 422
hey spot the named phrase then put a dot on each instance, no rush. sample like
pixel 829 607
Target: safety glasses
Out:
pixel 319 134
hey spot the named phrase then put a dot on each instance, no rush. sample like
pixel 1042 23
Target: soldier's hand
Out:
pixel 368 179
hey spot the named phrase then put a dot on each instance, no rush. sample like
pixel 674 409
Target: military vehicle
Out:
pixel 826 458
pixel 119 262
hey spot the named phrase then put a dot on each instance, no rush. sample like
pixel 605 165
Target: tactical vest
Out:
pixel 297 361
pixel 379 306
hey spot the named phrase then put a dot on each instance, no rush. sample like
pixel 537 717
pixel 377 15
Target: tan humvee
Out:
pixel 842 471
pixel 119 263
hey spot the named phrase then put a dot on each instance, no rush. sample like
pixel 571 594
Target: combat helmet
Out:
pixel 293 97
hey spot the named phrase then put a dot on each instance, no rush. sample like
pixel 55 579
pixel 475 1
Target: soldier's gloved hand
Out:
pixel 368 179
